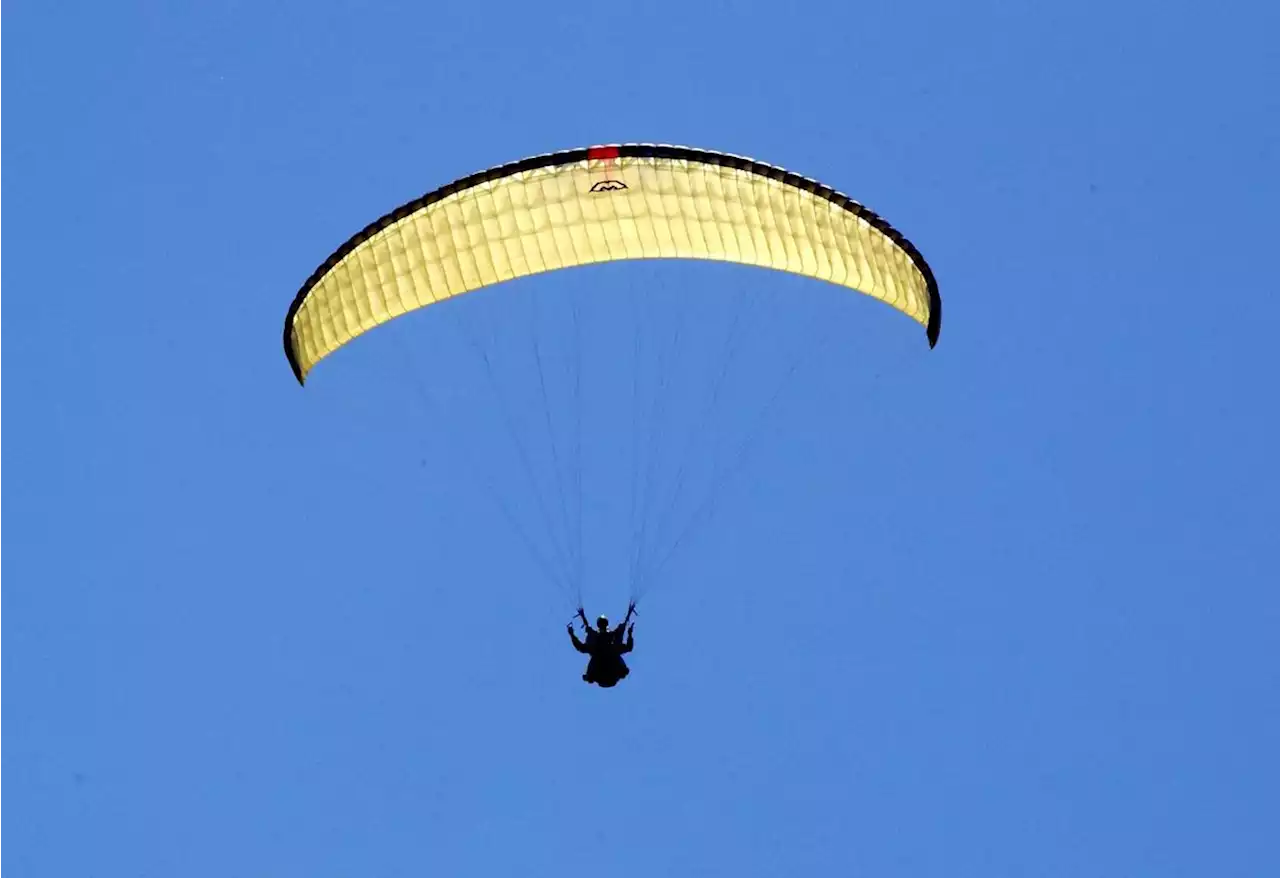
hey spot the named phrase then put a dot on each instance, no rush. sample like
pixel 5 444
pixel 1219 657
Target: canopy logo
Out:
pixel 608 186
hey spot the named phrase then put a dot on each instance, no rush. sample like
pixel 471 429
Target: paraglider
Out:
pixel 606 647
pixel 594 205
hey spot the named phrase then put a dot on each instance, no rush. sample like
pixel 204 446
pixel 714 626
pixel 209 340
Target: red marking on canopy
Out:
pixel 601 153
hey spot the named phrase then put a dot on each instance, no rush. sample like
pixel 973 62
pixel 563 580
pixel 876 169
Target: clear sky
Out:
pixel 1003 608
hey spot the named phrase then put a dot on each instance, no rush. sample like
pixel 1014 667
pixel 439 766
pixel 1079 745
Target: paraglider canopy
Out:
pixel 599 204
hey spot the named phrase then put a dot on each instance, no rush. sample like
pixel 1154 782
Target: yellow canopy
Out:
pixel 603 203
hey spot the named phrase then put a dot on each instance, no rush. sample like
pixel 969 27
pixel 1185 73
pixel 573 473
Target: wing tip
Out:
pixel 290 353
pixel 934 329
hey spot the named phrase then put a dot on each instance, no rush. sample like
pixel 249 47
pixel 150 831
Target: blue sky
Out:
pixel 1001 608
